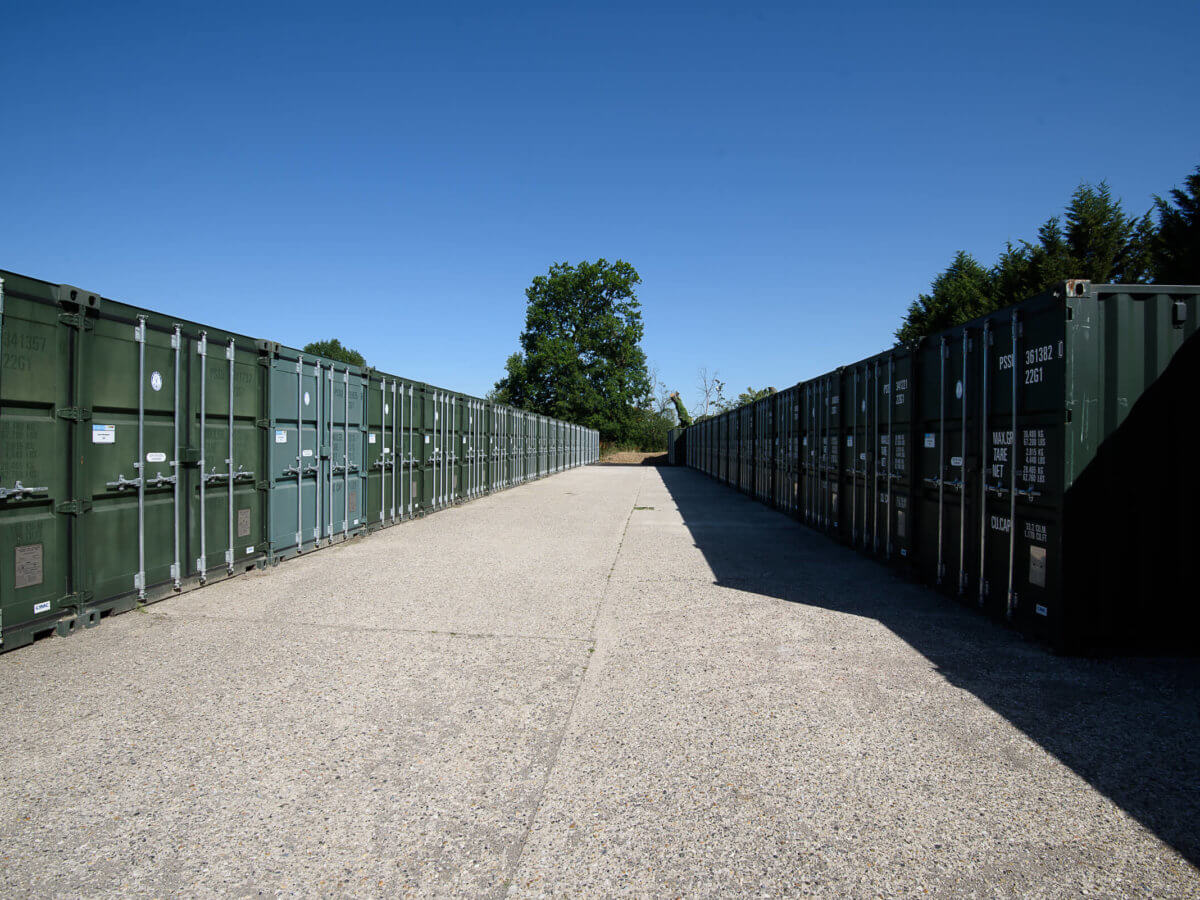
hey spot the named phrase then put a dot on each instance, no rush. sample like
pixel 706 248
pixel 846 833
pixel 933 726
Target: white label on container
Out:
pixel 250 549
pixel 280 435
pixel 306 398
pixel 306 453
pixel 1041 610
pixel 41 607
pixel 156 381
pixel 370 438
pixel 956 461
pixel 386 409
pixel 104 434
pixel 427 439
pixel 156 457
pixel 1037 566
pixel 958 390
pixel 931 440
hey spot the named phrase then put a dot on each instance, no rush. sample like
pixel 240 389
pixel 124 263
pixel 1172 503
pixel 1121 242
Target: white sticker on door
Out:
pixel 156 381
pixel 931 440
pixel 1037 566
pixel 280 436
pixel 370 438
pixel 104 434
pixel 156 457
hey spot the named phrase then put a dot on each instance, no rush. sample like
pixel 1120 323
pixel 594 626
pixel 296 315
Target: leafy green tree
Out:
pixel 648 431
pixel 1015 275
pixel 681 412
pixel 960 293
pixel 750 395
pixel 1093 239
pixel 1103 243
pixel 333 349
pixel 581 357
pixel 1175 248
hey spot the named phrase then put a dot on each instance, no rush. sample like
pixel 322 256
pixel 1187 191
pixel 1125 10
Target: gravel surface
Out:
pixel 633 458
pixel 616 681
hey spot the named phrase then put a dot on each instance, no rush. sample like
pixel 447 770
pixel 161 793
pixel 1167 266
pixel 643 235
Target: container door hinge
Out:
pixel 265 423
pixel 75 413
pixel 73 320
pixel 76 599
pixel 262 485
pixel 73 507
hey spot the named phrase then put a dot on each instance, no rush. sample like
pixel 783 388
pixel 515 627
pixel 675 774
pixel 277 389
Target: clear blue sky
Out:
pixel 784 177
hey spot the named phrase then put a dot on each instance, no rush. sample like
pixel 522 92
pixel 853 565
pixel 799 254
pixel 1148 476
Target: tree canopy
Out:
pixel 750 395
pixel 581 357
pixel 333 349
pixel 1094 238
pixel 1175 249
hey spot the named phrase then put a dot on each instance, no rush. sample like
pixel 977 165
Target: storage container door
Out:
pixel 293 455
pixel 377 451
pixel 1020 578
pixel 128 539
pixel 37 416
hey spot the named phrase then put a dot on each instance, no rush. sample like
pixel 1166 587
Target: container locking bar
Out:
pixel 229 355
pixel 202 560
pixel 985 341
pixel 891 453
pixel 876 450
pixel 319 389
pixel 961 482
pixel 941 482
pixel 382 462
pixel 346 452
pixel 412 459
pixel 396 413
pixel 329 468
pixel 1011 607
pixel 296 469
pixel 19 492
pixel 176 565
pixel 139 580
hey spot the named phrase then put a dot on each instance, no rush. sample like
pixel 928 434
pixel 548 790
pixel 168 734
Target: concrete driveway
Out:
pixel 616 681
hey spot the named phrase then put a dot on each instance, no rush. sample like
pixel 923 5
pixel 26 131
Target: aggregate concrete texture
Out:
pixel 615 681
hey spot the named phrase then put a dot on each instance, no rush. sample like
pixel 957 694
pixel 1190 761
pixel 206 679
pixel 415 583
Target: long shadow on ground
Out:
pixel 1129 726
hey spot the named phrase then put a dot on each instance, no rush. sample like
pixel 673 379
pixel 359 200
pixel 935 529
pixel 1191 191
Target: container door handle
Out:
pixel 19 492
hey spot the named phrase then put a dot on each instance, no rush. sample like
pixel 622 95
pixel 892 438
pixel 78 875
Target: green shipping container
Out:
pixel 131 449
pixel 1035 462
pixel 143 454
